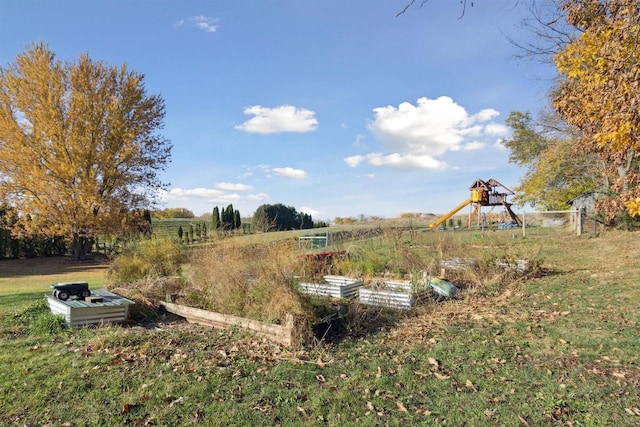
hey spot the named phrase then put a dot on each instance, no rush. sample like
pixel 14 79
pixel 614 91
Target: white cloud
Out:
pixel 474 145
pixel 310 211
pixel 400 161
pixel 184 193
pixel 499 145
pixel 359 141
pixel 257 196
pixel 285 118
pixel 201 22
pixel 354 161
pixel 290 172
pixel 496 129
pixel 417 134
pixel 205 23
pixel 227 186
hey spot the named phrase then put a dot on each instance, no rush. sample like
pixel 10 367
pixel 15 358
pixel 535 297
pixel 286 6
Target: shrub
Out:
pixel 147 258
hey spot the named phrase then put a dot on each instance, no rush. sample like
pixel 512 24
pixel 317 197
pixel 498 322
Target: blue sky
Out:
pixel 337 108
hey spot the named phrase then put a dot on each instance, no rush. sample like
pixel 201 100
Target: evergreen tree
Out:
pixel 228 217
pixel 237 221
pixel 215 219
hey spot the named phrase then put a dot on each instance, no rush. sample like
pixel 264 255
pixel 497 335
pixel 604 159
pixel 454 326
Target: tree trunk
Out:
pixel 80 247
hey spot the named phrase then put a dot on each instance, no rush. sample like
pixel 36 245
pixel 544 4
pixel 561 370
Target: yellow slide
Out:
pixel 448 215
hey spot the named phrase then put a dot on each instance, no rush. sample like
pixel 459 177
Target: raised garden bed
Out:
pixel 334 286
pixel 102 307
pixel 392 294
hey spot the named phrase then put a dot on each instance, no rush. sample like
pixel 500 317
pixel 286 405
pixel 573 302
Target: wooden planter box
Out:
pixel 108 307
pixel 288 335
pixel 334 286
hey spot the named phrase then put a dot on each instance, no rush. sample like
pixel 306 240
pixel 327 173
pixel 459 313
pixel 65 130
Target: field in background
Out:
pixel 33 276
pixel 561 348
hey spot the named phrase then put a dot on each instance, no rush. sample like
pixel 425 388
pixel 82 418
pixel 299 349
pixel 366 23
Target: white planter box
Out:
pixel 76 312
pixel 335 287
pixel 401 295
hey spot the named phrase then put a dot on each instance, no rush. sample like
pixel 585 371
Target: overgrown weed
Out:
pixel 251 281
pixel 147 258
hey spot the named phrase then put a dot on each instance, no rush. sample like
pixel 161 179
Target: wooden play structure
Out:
pixel 483 193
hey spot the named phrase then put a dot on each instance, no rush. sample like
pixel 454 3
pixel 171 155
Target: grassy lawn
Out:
pixel 561 348
pixel 23 280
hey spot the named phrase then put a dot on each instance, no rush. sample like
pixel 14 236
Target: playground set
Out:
pixel 483 193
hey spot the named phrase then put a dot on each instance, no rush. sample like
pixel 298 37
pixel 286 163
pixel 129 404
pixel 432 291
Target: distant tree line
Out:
pixel 14 244
pixel 26 246
pixel 173 213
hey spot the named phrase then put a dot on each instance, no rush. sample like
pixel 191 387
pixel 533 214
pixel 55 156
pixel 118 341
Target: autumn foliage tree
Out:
pixel 600 91
pixel 556 170
pixel 79 149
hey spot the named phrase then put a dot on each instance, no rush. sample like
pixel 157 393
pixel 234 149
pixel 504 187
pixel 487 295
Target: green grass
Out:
pixel 22 280
pixel 558 349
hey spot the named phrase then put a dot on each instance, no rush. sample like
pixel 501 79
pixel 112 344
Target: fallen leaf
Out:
pixel 618 374
pixel 469 384
pixel 401 406
pixel 489 412
pixel 422 375
pixel 378 372
pixel 127 407
pixel 320 378
pixel 633 411
pixel 320 363
pixel 370 406
pixel 433 362
pixel 441 377
pixel 177 401
pixel 523 421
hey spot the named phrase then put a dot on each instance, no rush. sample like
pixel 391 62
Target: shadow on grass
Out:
pixel 47 265
pixel 341 322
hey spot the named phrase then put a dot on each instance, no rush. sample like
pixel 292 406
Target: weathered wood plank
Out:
pixel 287 335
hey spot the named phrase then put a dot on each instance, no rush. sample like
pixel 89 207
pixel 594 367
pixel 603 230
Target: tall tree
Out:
pixel 276 217
pixel 237 221
pixel 556 171
pixel 79 148
pixel 229 217
pixel 600 91
pixel 215 219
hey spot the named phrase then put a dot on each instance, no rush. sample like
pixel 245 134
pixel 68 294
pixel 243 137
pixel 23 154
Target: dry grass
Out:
pixel 251 281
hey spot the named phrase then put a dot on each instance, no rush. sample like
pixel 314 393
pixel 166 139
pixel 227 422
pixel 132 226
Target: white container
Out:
pixel 76 312
pixel 400 295
pixel 334 286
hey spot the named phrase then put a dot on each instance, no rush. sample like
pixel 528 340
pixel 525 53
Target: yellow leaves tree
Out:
pixel 79 149
pixel 556 171
pixel 600 91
